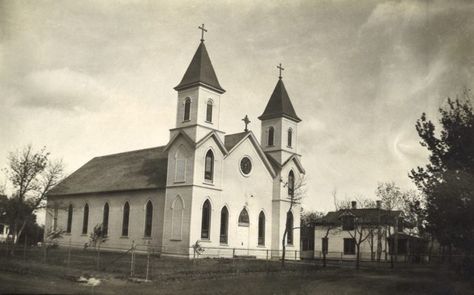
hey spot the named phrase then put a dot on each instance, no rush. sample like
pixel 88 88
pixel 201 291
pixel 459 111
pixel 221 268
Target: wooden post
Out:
pixel 148 264
pixel 69 254
pixel 340 261
pixel 45 246
pixel 295 254
pixel 132 260
pixel 24 249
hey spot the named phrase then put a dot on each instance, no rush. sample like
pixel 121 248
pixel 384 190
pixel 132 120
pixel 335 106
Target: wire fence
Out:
pixel 144 261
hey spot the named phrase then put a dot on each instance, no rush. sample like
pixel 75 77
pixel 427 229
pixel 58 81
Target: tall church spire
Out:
pixel 200 71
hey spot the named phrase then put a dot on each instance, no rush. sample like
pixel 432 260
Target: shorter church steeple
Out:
pixel 279 124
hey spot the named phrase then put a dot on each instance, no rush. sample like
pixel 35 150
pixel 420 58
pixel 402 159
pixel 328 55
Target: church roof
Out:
pixel 140 169
pixel 200 72
pixel 279 105
pixel 232 139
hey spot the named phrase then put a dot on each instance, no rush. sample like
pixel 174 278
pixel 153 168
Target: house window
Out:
pixel 105 220
pixel 261 229
pixel 209 166
pixel 349 246
pixel 224 225
pixel 85 219
pixel 206 220
pixel 291 183
pixel 177 218
pixel 271 136
pixel 125 219
pixel 290 137
pixel 244 218
pixel 325 245
pixel 348 222
pixel 148 219
pixel 187 109
pixel 55 218
pixel 209 111
pixel 289 224
pixel 69 219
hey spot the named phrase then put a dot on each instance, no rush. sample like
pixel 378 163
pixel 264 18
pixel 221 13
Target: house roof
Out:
pixel 279 105
pixel 140 169
pixel 200 72
pixel 364 215
pixel 232 139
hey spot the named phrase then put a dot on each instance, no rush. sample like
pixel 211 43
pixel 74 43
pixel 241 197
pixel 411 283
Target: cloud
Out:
pixel 62 89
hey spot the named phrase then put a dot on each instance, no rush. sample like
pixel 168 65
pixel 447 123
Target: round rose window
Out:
pixel 245 165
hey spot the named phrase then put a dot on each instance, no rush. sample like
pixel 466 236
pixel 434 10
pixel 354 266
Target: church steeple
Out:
pixel 280 104
pixel 200 72
pixel 279 124
pixel 199 94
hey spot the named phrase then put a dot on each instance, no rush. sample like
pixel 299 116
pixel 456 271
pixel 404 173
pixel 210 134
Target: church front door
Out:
pixel 243 237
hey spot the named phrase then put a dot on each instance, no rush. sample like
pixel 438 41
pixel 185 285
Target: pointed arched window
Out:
pixel 271 136
pixel 177 218
pixel 85 219
pixel 244 218
pixel 291 183
pixel 289 224
pixel 187 109
pixel 290 137
pixel 206 220
pixel 125 219
pixel 105 220
pixel 148 219
pixel 209 111
pixel 261 229
pixel 69 219
pixel 224 225
pixel 209 166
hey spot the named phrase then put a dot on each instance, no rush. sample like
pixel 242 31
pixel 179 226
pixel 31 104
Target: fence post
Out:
pixel 45 250
pixel 148 264
pixel 24 249
pixel 132 260
pixel 340 261
pixel 69 254
pixel 295 254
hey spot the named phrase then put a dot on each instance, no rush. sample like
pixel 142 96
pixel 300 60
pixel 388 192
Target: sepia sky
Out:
pixel 88 78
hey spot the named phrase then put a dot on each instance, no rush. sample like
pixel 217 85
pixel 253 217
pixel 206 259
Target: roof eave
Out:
pixel 217 89
pixel 279 115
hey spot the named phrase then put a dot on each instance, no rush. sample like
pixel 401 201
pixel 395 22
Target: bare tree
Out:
pixel 32 175
pixel 296 192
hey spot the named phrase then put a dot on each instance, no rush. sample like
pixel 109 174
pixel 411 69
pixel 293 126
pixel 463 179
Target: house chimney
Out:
pixel 354 204
pixel 379 204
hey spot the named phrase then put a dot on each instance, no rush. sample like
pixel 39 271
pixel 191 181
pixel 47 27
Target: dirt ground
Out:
pixel 37 278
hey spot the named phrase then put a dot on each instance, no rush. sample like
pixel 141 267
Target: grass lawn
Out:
pixel 180 276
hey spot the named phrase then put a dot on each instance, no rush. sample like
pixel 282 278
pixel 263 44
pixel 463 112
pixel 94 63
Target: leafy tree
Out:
pixel 447 180
pixel 32 175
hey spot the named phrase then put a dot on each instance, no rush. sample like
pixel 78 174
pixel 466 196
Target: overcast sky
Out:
pixel 91 78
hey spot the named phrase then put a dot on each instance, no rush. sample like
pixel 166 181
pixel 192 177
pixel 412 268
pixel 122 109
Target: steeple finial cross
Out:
pixel 246 121
pixel 202 32
pixel 281 69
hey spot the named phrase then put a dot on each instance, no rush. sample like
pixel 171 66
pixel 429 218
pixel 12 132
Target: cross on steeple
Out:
pixel 246 121
pixel 202 32
pixel 281 69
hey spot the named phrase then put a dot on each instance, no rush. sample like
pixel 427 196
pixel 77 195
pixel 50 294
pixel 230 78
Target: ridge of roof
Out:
pixel 200 72
pixel 279 105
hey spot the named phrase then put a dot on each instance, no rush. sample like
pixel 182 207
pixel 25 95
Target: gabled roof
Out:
pixel 364 215
pixel 232 139
pixel 200 72
pixel 277 166
pixel 279 105
pixel 141 169
pixel 214 135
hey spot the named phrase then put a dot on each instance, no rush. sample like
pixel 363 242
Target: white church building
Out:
pixel 229 192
